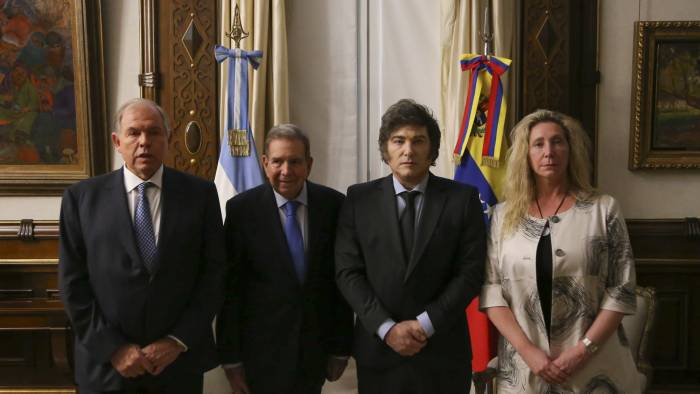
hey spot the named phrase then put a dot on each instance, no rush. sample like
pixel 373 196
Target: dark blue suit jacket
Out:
pixel 110 297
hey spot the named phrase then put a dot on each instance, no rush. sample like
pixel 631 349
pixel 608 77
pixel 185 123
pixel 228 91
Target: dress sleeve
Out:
pixel 492 290
pixel 620 281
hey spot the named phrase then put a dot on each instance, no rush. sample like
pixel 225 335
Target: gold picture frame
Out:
pixel 53 129
pixel 665 118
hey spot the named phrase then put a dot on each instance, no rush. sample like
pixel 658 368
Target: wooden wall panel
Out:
pixel 668 258
pixel 35 339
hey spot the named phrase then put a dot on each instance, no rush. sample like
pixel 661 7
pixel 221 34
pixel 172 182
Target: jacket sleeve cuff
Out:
pixel 491 296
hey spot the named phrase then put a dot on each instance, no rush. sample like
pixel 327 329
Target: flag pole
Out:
pixel 486 34
pixel 237 33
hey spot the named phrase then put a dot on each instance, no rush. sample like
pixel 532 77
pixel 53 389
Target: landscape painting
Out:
pixel 677 104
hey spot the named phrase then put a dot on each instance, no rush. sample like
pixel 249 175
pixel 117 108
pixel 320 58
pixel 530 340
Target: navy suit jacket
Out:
pixel 110 297
pixel 272 323
pixel 443 275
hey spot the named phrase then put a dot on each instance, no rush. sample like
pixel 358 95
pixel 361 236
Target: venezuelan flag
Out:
pixel 482 136
pixel 488 181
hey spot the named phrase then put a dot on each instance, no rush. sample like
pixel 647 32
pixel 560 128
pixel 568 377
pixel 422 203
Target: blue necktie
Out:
pixel 294 240
pixel 143 226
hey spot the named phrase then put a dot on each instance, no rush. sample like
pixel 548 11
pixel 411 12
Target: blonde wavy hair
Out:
pixel 519 188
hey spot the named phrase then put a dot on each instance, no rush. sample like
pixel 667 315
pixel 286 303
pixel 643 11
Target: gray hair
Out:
pixel 140 101
pixel 287 131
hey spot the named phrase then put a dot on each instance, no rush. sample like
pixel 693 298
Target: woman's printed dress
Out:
pixel 593 269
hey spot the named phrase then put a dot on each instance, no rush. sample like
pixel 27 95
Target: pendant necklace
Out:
pixel 554 218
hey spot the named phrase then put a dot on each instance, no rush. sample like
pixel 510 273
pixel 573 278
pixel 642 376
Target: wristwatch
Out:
pixel 590 346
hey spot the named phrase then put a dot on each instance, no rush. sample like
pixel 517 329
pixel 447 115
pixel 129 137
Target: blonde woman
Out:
pixel 560 272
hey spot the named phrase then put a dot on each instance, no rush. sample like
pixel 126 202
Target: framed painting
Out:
pixel 665 122
pixel 52 104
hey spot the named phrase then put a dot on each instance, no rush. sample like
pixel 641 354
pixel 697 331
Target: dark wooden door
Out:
pixel 559 59
pixel 180 73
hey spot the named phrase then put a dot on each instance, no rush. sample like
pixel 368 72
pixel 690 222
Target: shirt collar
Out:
pixel 301 198
pixel 420 187
pixel 131 180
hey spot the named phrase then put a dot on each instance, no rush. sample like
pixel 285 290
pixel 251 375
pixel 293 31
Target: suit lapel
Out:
pixel 390 224
pixel 169 215
pixel 278 240
pixel 433 204
pixel 314 216
pixel 117 201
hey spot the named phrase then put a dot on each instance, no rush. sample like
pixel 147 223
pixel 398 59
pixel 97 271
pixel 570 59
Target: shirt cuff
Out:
pixel 426 324
pixel 385 327
pixel 179 342
pixel 232 366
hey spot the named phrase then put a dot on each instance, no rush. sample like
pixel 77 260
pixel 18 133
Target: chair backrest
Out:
pixel 639 328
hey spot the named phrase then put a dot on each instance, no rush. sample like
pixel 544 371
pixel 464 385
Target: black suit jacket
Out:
pixel 443 275
pixel 270 322
pixel 110 297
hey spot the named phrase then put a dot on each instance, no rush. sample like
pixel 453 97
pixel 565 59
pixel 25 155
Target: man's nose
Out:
pixel 408 148
pixel 284 168
pixel 144 139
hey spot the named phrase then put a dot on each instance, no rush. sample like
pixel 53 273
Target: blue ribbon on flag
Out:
pixel 242 171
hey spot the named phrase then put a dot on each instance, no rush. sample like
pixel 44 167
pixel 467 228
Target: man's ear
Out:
pixel 115 140
pixel 310 162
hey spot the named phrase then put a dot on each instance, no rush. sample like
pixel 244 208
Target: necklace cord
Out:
pixel 537 201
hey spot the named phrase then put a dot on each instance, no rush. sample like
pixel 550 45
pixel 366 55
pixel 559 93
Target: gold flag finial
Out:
pixel 237 33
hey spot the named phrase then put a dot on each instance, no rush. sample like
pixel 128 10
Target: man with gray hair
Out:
pixel 284 327
pixel 141 263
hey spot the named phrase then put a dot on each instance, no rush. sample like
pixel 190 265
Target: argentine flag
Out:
pixel 238 169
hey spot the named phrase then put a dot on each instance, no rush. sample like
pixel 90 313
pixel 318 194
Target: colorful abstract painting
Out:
pixel 37 93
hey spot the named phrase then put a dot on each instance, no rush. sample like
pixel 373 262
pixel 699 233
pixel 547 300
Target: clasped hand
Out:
pixel 406 338
pixel 132 361
pixel 558 370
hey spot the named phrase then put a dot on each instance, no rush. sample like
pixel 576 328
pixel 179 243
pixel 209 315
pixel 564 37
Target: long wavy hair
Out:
pixel 520 188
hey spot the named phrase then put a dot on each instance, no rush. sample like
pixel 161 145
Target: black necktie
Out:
pixel 407 222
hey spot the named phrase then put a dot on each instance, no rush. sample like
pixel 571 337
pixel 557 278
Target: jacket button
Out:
pixel 559 253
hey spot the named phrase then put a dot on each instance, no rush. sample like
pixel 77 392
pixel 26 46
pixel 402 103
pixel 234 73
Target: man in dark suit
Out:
pixel 410 255
pixel 284 327
pixel 141 264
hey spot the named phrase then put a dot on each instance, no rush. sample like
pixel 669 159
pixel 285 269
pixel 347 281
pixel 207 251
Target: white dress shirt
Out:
pixel 131 181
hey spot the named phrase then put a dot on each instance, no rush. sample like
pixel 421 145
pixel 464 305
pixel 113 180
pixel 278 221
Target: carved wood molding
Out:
pixel 28 229
pixel 546 60
pixel 180 73
pixel 559 52
pixel 687 227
